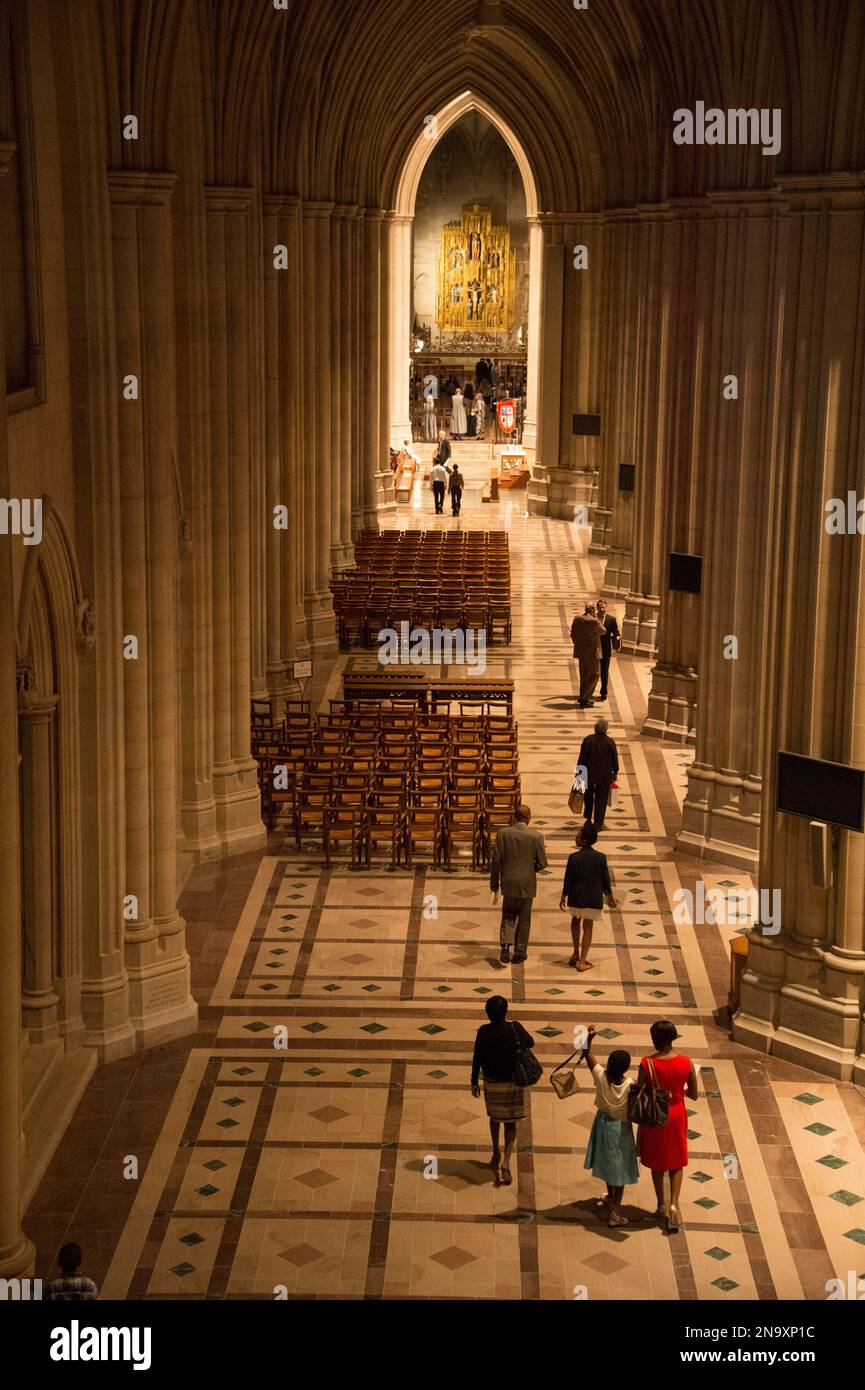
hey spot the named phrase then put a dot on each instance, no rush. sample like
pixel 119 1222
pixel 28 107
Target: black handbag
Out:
pixel 647 1104
pixel 527 1068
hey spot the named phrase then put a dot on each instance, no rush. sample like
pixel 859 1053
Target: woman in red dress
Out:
pixel 665 1149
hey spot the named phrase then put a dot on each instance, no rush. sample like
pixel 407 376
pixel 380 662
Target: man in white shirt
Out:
pixel 438 478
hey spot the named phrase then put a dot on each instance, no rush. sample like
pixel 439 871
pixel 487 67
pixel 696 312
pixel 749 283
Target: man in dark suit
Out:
pixel 600 757
pixel 586 637
pixel 518 854
pixel 611 641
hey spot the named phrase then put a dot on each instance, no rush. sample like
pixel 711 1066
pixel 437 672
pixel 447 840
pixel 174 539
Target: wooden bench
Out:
pixel 429 691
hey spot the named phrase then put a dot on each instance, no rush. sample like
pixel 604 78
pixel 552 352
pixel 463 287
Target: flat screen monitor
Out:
pixel 818 790
pixel 686 572
pixel 586 424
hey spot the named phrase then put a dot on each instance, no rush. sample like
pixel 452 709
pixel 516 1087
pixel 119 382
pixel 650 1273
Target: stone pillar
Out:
pixel 314 402
pixel 732 441
pixel 16 1251
pixel 39 1003
pixel 802 991
pixel 347 396
pixel 378 479
pixel 613 520
pixel 229 292
pixel 533 338
pixel 157 963
pixel 658 281
pixel 545 472
pixel 399 327
pixel 358 385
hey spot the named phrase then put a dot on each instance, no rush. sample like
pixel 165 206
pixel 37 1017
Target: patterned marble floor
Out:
pixel 318 1138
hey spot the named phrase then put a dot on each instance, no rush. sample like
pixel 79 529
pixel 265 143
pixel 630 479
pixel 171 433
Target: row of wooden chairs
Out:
pixel 388 776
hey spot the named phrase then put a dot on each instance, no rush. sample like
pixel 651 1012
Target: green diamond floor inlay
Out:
pixel 314 1027
pixel 192 1239
pixel 830 1161
pixel 724 1284
pixel 313 1071
pixel 373 1028
pixel 700 1177
pixel 822 1130
pixel 254 1027
pixel 550 1032
pixel 242 1071
pixel 808 1099
pixel 227 1124
pixel 431 1028
pixel 214 1165
pixel 181 1270
pixel 207 1191
pixel 358 1071
pixel 847 1199
pixel 234 1100
pixel 716 1253
pixel 608 1033
pixel 437 1074
pixel 706 1203
pixel 856 1234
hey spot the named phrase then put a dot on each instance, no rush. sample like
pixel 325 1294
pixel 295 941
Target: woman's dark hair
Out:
pixel 496 1007
pixel 588 834
pixel 663 1033
pixel 618 1063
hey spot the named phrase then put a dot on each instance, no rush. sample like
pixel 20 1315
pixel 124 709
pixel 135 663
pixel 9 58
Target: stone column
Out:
pixel 733 441
pixel 548 427
pixel 378 479
pixel 36 721
pixel 399 327
pixel 533 338
pixel 613 520
pixel 229 290
pixel 157 963
pixel 347 396
pixel 802 991
pixel 657 252
pixel 16 1251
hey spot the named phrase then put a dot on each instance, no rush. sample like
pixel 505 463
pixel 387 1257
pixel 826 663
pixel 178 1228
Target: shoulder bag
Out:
pixel 564 1082
pixel 647 1104
pixel 527 1068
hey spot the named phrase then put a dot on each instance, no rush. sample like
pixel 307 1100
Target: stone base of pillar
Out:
pixel 617 576
pixel 671 712
pixel 39 1017
pixel 602 526
pixel 370 520
pixel 801 1003
pixel 321 625
pixel 721 817
pixel 53 1081
pixel 538 493
pixel 640 625
pixel 105 1010
pixel 342 556
pixel 384 493
pixel 198 823
pixel 19 1262
pixel 160 1002
pixel 238 808
pixel 561 491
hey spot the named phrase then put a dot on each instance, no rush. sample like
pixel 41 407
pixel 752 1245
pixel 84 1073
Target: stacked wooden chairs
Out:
pixel 384 778
pixel 429 579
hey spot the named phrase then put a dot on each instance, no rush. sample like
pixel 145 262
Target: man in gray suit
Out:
pixel 518 855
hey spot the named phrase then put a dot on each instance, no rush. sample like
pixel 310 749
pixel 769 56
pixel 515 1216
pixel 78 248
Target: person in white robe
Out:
pixel 458 415
pixel 429 420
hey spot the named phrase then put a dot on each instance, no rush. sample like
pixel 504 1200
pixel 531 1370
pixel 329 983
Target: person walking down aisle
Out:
pixel 664 1149
pixel 611 1153
pixel 587 883
pixel 455 488
pixel 600 757
pixel 518 855
pixel 610 641
pixel 458 414
pixel 586 637
pixel 496 1043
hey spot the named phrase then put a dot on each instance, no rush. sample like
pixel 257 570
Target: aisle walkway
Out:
pixel 352 1163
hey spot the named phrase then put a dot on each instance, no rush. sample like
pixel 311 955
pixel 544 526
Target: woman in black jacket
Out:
pixel 495 1054
pixel 587 883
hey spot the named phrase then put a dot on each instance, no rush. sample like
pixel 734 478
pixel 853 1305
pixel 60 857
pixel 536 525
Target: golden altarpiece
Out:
pixel 476 274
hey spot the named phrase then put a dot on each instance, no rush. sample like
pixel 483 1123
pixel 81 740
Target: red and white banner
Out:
pixel 507 413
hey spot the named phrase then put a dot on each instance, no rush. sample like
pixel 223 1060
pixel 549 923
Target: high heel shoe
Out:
pixel 505 1175
pixel 674 1220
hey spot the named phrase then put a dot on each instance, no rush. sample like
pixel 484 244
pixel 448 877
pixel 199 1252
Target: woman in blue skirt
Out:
pixel 612 1153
